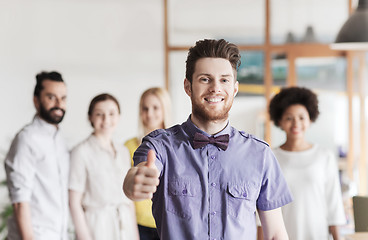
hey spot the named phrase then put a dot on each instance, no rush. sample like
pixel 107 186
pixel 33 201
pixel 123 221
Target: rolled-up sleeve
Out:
pixel 149 143
pixel 274 192
pixel 78 171
pixel 20 164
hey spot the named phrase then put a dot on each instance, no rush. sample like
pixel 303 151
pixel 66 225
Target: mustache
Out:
pixel 57 108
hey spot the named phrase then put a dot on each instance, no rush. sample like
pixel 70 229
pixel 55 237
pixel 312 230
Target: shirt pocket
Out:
pixel 183 197
pixel 241 199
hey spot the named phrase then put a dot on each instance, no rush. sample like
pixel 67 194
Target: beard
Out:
pixel 206 115
pixel 49 117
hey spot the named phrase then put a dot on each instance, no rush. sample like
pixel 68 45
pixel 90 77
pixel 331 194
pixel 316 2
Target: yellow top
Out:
pixel 143 209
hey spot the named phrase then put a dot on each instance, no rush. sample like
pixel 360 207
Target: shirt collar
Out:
pixel 93 139
pixel 190 128
pixel 48 127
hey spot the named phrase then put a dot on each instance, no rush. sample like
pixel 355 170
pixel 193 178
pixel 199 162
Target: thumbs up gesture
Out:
pixel 142 180
pixel 151 157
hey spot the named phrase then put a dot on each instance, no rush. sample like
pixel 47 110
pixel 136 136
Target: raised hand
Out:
pixel 151 157
pixel 142 180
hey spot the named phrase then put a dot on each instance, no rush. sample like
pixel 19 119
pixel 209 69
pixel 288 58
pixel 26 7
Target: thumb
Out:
pixel 151 158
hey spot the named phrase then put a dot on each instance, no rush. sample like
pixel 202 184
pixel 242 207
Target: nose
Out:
pixel 57 103
pixel 295 122
pixel 105 118
pixel 61 103
pixel 215 86
pixel 150 112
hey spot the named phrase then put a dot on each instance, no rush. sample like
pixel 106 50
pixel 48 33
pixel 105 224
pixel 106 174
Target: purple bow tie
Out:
pixel 201 140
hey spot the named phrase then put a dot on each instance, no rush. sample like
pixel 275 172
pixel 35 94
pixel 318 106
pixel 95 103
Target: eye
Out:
pixel 51 97
pixel 204 80
pixel 225 80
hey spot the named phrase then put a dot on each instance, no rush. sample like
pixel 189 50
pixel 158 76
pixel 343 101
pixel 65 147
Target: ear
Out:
pixel 188 87
pixel 236 88
pixel 36 103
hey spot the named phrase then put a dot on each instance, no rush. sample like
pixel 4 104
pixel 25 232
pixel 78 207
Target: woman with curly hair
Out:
pixel 310 170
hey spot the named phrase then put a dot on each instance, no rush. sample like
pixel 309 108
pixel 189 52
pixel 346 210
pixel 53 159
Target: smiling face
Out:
pixel 212 89
pixel 295 121
pixel 51 103
pixel 105 117
pixel 152 113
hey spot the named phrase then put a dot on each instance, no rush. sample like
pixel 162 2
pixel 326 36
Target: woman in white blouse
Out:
pixel 310 170
pixel 98 206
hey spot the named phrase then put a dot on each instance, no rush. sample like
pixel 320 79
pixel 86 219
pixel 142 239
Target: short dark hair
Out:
pixel 210 48
pixel 100 98
pixel 291 96
pixel 42 76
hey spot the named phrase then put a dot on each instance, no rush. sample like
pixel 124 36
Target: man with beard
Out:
pixel 37 167
pixel 206 178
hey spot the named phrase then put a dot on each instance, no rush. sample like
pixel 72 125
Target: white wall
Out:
pixel 98 46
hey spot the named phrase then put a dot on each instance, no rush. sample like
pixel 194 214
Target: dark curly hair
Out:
pixel 210 48
pixel 291 96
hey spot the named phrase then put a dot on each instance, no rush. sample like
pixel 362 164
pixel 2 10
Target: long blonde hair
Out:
pixel 164 98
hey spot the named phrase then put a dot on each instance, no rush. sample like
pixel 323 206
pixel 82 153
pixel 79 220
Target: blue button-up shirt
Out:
pixel 208 193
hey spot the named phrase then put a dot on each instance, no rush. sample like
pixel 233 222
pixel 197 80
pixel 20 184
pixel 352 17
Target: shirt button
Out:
pixel 213 157
pixel 213 213
pixel 213 184
pixel 244 194
pixel 185 191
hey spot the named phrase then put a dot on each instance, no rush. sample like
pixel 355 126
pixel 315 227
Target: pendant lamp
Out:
pixel 354 33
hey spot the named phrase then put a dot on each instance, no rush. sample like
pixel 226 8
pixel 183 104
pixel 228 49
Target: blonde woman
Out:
pixel 98 206
pixel 154 113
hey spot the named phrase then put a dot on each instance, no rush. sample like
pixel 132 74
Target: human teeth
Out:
pixel 214 99
pixel 58 112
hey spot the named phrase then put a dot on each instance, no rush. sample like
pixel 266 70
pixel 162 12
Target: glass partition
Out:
pixel 327 73
pixel 251 68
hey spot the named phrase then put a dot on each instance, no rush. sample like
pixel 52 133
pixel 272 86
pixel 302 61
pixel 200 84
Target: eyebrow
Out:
pixel 209 75
pixel 55 95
